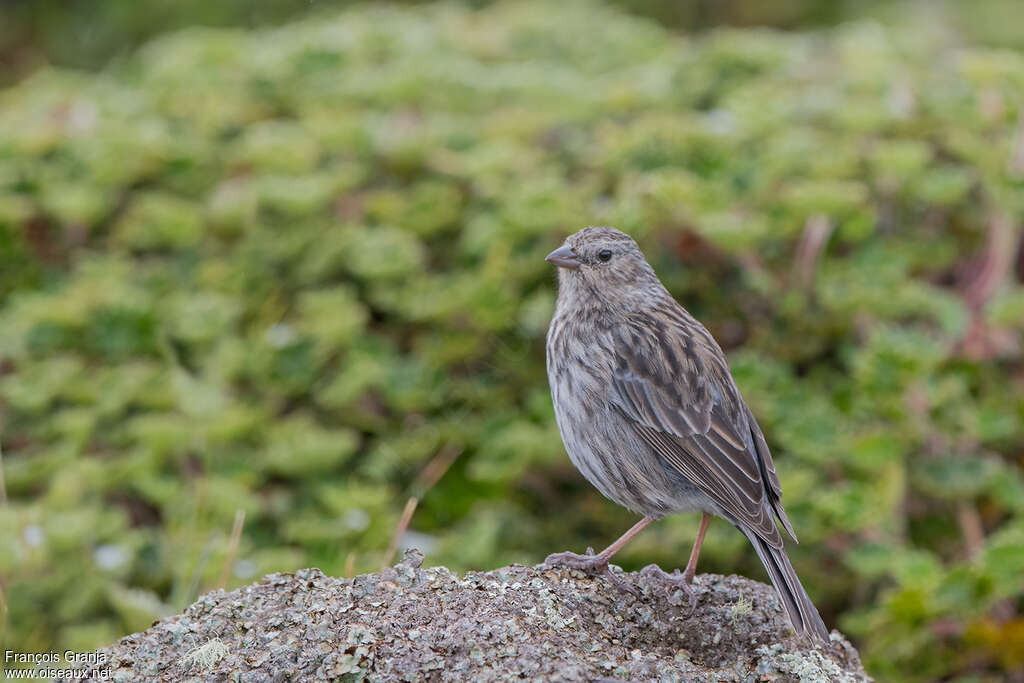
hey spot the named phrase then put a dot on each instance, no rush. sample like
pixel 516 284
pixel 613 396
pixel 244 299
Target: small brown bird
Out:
pixel 652 417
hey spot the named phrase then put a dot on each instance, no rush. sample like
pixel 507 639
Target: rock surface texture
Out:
pixel 407 623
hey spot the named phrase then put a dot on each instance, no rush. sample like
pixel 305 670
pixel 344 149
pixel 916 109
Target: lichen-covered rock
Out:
pixel 410 623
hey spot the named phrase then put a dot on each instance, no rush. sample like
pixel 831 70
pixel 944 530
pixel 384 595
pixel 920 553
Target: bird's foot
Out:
pixel 590 563
pixel 672 582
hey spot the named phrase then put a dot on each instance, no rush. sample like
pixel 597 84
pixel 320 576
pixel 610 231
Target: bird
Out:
pixel 650 414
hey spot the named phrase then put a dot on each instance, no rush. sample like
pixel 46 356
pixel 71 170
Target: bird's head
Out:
pixel 606 264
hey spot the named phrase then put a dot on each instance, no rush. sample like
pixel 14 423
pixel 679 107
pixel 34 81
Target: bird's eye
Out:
pixel 605 255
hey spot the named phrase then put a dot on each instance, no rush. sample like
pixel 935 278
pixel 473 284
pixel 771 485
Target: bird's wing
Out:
pixel 673 384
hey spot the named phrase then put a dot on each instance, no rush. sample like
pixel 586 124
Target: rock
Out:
pixel 410 623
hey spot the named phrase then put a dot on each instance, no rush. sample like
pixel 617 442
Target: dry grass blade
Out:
pixel 428 477
pixel 436 469
pixel 971 528
pixel 984 278
pixel 3 482
pixel 808 252
pixel 403 524
pixel 236 537
pixel 350 566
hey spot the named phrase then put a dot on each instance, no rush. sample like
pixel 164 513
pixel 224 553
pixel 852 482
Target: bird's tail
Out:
pixel 802 613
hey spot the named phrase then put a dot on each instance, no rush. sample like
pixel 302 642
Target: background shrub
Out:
pixel 281 271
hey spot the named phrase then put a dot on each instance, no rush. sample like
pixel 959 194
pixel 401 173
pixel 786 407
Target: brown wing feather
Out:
pixel 673 383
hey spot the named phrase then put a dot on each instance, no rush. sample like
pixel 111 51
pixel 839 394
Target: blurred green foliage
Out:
pixel 281 271
pixel 88 34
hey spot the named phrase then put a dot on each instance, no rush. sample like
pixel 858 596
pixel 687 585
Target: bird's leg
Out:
pixel 599 563
pixel 691 565
pixel 675 580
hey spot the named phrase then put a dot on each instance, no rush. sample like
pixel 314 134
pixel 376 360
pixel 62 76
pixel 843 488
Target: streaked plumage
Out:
pixel 649 411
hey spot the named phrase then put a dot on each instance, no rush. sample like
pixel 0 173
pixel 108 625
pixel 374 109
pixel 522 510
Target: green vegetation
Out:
pixel 88 34
pixel 84 33
pixel 281 271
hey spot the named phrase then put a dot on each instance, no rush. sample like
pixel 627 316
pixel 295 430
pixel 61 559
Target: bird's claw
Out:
pixel 672 582
pixel 590 563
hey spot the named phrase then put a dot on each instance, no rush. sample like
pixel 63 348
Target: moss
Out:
pixel 406 621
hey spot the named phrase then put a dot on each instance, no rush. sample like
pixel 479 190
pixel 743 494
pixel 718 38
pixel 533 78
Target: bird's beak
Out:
pixel 564 257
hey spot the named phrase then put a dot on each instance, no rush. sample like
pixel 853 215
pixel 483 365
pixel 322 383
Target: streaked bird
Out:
pixel 651 415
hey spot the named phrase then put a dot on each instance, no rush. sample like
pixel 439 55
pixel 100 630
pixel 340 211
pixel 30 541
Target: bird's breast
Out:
pixel 599 439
